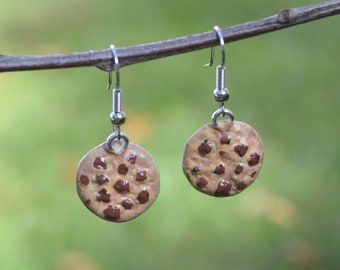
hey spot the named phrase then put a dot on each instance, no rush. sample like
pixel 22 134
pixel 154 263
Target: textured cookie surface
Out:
pixel 223 160
pixel 118 187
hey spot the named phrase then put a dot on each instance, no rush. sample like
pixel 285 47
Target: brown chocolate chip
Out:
pixel 127 204
pixel 222 153
pixel 111 213
pixel 204 148
pixel 132 158
pixel 84 180
pixel 201 182
pixel 143 196
pixel 99 163
pixel 195 170
pixel 122 169
pixel 122 186
pixel 241 185
pixel 101 179
pixel 225 139
pixel 141 176
pixel 223 189
pixel 241 149
pixel 88 201
pixel 254 159
pixel 219 169
pixel 253 174
pixel 238 169
pixel 103 196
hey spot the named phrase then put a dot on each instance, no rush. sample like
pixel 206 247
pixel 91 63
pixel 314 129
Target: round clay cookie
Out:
pixel 223 160
pixel 118 187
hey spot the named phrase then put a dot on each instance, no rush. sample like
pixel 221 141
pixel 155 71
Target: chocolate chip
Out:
pixel 88 201
pixel 219 170
pixel 223 189
pixel 111 213
pixel 238 169
pixel 143 196
pixel 103 196
pixel 195 170
pixel 132 158
pixel 225 139
pixel 241 149
pixel 127 204
pixel 99 163
pixel 101 179
pixel 253 174
pixel 254 159
pixel 201 182
pixel 122 169
pixel 241 185
pixel 122 186
pixel 222 153
pixel 204 148
pixel 141 176
pixel 84 180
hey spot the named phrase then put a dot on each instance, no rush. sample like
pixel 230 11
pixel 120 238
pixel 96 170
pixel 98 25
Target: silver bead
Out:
pixel 117 118
pixel 221 95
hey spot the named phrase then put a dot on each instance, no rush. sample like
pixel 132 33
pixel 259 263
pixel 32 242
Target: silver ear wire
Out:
pixel 115 67
pixel 221 93
pixel 117 116
pixel 221 39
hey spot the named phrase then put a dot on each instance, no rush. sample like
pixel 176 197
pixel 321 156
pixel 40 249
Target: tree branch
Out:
pixel 145 52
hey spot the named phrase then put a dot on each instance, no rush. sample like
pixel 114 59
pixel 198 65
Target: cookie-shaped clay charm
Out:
pixel 118 187
pixel 223 160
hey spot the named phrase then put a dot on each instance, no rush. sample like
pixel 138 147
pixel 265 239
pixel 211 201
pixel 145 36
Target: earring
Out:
pixel 117 180
pixel 222 158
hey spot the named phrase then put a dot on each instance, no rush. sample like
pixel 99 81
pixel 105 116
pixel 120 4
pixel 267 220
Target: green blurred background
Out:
pixel 285 84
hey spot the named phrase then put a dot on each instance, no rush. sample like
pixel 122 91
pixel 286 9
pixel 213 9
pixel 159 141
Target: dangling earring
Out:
pixel 117 180
pixel 222 158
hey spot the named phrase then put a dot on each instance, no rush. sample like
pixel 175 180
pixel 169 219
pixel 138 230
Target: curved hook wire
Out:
pixel 221 39
pixel 115 68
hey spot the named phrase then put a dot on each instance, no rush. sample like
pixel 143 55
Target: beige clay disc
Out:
pixel 223 160
pixel 118 187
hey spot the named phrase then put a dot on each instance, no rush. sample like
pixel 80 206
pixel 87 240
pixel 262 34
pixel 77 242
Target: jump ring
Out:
pixel 117 142
pixel 221 111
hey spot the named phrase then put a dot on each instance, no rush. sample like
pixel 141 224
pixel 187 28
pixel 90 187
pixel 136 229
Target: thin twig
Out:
pixel 145 52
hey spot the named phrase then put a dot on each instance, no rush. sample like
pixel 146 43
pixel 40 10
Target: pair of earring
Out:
pixel 119 180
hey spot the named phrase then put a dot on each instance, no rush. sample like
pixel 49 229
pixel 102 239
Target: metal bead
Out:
pixel 221 95
pixel 117 118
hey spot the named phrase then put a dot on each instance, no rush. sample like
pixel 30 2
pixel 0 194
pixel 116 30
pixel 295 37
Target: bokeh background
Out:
pixel 285 84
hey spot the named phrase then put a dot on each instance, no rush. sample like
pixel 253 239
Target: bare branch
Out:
pixel 145 52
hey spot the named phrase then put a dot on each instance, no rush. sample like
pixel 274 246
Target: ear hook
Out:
pixel 221 39
pixel 116 68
